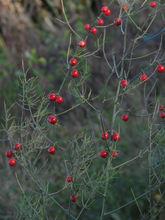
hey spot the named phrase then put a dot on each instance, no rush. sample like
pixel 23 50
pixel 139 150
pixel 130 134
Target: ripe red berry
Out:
pixel 87 27
pixel 100 22
pixel 52 150
pixel 69 179
pixel 162 108
pixel 52 97
pixel 73 62
pixel 9 153
pixel 82 44
pixel 74 198
pixel 162 115
pixel 144 77
pixel 124 83
pixel 125 117
pixel 115 154
pixel 116 137
pixel 12 162
pixel 52 119
pixel 59 99
pixel 18 146
pixel 94 31
pixel 104 154
pixel 108 12
pixel 161 68
pixel 105 136
pixel 75 74
pixel 118 21
pixel 104 9
pixel 153 4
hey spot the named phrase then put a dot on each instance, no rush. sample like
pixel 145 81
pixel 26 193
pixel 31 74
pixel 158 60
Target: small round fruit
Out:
pixel 115 154
pixel 87 27
pixel 52 119
pixel 9 153
pixel 153 4
pixel 74 198
pixel 94 31
pixel 104 8
pixel 12 162
pixel 104 154
pixel 162 108
pixel 144 77
pixel 59 99
pixel 116 137
pixel 162 115
pixel 124 83
pixel 108 12
pixel 125 117
pixel 105 135
pixel 161 68
pixel 100 22
pixel 52 97
pixel 69 179
pixel 118 21
pixel 75 73
pixel 52 150
pixel 82 44
pixel 18 146
pixel 73 62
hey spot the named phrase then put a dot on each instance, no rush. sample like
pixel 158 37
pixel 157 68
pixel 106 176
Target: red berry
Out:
pixel 9 153
pixel 153 4
pixel 75 74
pixel 52 150
pixel 118 21
pixel 82 44
pixel 52 97
pixel 69 179
pixel 124 83
pixel 162 108
pixel 73 62
pixel 87 27
pixel 100 22
pixel 108 12
pixel 162 115
pixel 125 117
pixel 104 154
pixel 59 99
pixel 104 9
pixel 105 136
pixel 74 198
pixel 144 77
pixel 114 154
pixel 161 68
pixel 94 31
pixel 18 147
pixel 52 119
pixel 116 137
pixel 12 162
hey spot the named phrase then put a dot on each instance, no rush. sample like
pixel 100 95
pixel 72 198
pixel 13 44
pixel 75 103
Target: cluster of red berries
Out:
pixel 10 154
pixel 114 154
pixel 74 61
pixel 160 69
pixel 101 22
pixel 53 97
pixel 114 137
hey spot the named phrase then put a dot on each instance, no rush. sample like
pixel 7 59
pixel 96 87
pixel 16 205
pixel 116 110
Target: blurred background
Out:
pixel 32 32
